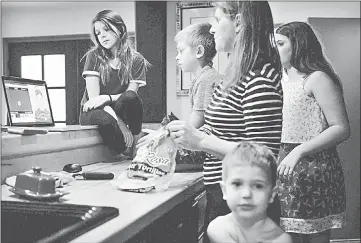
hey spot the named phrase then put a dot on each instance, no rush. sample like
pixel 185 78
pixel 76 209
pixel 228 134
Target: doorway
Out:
pixel 341 39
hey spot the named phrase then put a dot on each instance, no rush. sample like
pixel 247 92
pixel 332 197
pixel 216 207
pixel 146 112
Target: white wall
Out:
pixel 24 19
pixel 179 105
pixel 283 12
pixel 33 19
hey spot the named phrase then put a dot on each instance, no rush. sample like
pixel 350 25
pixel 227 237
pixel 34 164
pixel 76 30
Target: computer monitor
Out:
pixel 27 101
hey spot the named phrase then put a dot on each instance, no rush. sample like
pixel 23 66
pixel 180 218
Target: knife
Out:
pixel 95 175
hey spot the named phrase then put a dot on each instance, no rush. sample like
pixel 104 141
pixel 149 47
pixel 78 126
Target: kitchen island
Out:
pixel 174 215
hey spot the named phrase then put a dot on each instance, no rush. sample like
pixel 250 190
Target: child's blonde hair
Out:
pixel 254 154
pixel 198 34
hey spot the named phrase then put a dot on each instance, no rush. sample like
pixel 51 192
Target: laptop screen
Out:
pixel 28 102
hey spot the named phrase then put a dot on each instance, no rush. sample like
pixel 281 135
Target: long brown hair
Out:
pixel 307 53
pixel 254 43
pixel 125 50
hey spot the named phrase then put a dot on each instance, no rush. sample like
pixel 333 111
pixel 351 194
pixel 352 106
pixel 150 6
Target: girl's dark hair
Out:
pixel 125 51
pixel 307 52
pixel 255 42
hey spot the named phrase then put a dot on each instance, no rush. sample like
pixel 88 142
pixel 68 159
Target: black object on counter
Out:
pixel 95 175
pixel 72 168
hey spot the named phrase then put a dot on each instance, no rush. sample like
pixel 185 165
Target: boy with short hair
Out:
pixel 249 174
pixel 196 50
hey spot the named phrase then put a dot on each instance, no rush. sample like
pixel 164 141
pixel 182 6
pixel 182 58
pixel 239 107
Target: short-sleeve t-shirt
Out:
pixel 202 88
pixel 114 85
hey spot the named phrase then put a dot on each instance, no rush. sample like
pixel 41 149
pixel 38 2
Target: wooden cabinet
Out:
pixel 200 202
pixel 184 223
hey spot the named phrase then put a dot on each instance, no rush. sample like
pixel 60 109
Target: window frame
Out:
pixel 72 104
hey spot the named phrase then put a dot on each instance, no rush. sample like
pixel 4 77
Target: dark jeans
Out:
pixel 216 206
pixel 128 107
pixel 322 237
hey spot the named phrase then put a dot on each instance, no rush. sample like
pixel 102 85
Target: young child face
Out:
pixel 106 37
pixel 187 57
pixel 248 191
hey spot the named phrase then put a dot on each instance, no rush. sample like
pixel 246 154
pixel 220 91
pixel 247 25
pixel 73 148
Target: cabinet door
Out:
pixel 341 39
pixel 183 224
pixel 199 204
pixel 178 226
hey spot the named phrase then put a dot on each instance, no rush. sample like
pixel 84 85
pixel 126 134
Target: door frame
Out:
pixel 7 41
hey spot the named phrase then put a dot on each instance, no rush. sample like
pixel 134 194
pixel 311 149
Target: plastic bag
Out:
pixel 186 156
pixel 153 166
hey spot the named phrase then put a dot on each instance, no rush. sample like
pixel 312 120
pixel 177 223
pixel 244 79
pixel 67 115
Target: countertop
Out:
pixel 136 210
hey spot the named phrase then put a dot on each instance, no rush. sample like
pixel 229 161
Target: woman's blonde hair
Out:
pixel 255 42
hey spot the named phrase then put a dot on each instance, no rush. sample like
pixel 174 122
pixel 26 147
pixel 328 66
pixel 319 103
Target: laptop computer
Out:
pixel 29 106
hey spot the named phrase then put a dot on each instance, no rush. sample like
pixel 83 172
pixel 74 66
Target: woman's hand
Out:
pixel 185 135
pixel 128 136
pixel 95 102
pixel 143 140
pixel 288 164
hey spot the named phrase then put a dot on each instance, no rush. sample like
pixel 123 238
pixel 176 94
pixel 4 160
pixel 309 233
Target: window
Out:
pixel 58 63
pixel 50 68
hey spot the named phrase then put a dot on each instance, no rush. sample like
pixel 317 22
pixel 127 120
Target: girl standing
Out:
pixel 311 182
pixel 113 72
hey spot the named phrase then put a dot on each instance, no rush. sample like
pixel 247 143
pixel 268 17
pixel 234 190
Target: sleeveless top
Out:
pixel 303 118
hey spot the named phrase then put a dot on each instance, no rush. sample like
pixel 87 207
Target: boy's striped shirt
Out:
pixel 252 111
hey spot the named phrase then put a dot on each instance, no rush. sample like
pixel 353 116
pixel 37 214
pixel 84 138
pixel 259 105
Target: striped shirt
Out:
pixel 252 111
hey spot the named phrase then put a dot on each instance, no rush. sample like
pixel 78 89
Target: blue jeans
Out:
pixel 322 237
pixel 128 107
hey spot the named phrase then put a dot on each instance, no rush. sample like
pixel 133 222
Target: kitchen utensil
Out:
pixel 94 175
pixel 75 168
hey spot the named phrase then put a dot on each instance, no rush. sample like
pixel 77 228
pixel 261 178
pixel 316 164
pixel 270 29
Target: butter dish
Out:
pixel 36 185
pixel 37 196
pixel 61 178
